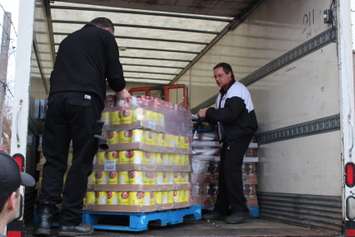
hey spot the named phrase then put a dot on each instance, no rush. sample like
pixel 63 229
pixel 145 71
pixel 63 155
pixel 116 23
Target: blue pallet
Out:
pixel 140 221
pixel 254 212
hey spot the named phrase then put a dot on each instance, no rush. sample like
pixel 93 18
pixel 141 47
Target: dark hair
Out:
pixel 103 22
pixel 227 68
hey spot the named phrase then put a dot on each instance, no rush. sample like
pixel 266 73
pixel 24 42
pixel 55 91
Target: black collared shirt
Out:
pixel 84 60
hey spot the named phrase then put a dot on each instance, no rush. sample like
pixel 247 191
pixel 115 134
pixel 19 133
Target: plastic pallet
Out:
pixel 254 212
pixel 140 221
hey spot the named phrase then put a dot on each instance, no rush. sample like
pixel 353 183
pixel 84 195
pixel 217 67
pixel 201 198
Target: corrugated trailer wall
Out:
pixel 296 96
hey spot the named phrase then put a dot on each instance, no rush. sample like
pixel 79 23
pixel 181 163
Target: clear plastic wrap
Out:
pixel 148 113
pixel 147 166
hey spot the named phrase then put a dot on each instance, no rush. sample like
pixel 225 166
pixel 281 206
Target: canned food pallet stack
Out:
pixel 147 166
pixel 205 162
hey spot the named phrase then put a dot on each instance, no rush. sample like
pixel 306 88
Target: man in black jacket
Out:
pixel 85 59
pixel 236 124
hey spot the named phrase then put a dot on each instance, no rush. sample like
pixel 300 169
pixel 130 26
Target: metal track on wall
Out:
pixel 317 42
pixel 306 210
pixel 322 125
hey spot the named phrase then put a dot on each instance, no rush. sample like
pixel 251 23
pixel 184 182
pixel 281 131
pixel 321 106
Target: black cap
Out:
pixel 10 176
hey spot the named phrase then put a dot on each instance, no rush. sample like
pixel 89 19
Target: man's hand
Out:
pixel 124 94
pixel 202 113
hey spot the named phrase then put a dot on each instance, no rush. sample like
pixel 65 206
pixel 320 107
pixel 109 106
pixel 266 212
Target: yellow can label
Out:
pixel 149 158
pixel 115 118
pixel 101 198
pixel 170 177
pixel 160 139
pixel 166 159
pixel 158 198
pixel 123 198
pixel 150 138
pixel 126 116
pixel 101 177
pixel 136 198
pixel 123 177
pixel 137 136
pixel 177 178
pixel 112 137
pixel 182 195
pixel 137 158
pixel 159 178
pixel 149 178
pixel 100 157
pixel 176 196
pixel 135 177
pixel 176 159
pixel 171 140
pixel 152 198
pixel 160 120
pixel 112 177
pixel 125 137
pixel 159 159
pixel 147 200
pixel 149 117
pixel 138 114
pixel 112 198
pixel 186 160
pixel 90 198
pixel 165 197
pixel 170 197
pixel 124 157
pixel 112 155
pixel 166 140
pixel 187 195
pixel 105 117
pixel 166 178
pixel 92 179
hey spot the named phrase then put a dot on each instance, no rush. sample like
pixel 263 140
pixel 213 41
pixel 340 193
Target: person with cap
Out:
pixel 87 60
pixel 10 180
pixel 236 123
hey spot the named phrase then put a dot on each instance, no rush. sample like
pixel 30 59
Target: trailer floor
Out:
pixel 252 228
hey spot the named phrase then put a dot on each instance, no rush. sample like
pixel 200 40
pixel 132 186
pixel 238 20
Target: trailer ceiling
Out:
pixel 158 39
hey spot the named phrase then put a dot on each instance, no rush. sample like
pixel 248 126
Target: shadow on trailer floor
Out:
pixel 252 228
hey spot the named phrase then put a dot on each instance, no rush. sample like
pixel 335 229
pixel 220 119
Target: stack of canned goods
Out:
pixel 147 166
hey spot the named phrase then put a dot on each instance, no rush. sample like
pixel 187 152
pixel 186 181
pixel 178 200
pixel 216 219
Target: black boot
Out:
pixel 237 218
pixel 47 219
pixel 75 230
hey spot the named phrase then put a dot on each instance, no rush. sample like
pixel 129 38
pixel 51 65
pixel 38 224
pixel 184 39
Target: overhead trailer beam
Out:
pixel 157 58
pixel 142 27
pixel 149 65
pixel 146 72
pixel 110 10
pixel 148 39
pixel 148 78
pixel 153 49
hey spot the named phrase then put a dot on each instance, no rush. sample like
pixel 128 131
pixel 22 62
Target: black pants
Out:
pixel 230 196
pixel 70 117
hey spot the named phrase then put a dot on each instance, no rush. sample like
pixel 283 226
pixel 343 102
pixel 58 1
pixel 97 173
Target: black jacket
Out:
pixel 84 60
pixel 234 113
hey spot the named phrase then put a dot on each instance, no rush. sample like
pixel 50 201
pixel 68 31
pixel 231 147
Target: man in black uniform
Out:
pixel 85 59
pixel 236 123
